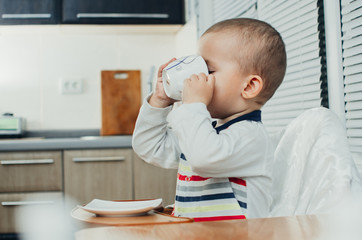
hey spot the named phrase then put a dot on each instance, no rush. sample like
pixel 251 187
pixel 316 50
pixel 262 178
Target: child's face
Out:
pixel 220 49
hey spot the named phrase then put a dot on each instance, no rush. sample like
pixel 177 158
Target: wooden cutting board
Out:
pixel 121 101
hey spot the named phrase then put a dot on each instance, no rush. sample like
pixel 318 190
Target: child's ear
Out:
pixel 252 86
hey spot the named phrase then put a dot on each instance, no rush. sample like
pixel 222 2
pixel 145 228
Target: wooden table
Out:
pixel 297 227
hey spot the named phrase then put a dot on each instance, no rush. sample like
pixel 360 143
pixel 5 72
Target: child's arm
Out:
pixel 152 140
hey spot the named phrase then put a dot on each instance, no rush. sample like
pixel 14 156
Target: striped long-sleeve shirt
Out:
pixel 208 199
pixel 223 172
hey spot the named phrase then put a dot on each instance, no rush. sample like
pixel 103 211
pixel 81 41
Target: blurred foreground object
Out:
pixel 46 220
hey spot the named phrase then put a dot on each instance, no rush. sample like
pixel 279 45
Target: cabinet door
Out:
pixel 29 11
pixel 103 174
pixel 123 11
pixel 154 182
pixel 10 202
pixel 30 171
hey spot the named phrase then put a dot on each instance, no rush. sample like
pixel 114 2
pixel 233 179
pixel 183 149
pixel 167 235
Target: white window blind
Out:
pixel 297 22
pixel 226 9
pixel 351 12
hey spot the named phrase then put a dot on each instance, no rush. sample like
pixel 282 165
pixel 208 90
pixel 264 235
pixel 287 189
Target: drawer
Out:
pixel 100 173
pixel 10 203
pixel 30 171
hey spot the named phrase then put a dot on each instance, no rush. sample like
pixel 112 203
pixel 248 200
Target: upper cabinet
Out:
pixel 123 12
pixel 30 11
pixel 92 12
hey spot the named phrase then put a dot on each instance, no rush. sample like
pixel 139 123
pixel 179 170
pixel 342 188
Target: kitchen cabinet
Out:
pixel 154 182
pixel 27 178
pixel 102 173
pixel 44 177
pixel 30 11
pixel 31 171
pixel 10 202
pixel 92 12
pixel 123 12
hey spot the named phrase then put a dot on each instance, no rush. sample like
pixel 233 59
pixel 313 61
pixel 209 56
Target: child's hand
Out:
pixel 159 98
pixel 198 88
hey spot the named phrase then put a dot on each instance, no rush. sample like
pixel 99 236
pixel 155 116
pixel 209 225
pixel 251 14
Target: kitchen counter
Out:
pixel 86 142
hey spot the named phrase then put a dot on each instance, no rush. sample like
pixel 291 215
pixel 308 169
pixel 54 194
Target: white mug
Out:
pixel 174 74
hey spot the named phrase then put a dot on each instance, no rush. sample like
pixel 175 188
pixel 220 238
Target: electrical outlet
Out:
pixel 70 86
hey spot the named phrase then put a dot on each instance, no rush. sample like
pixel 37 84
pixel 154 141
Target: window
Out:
pixel 226 9
pixel 351 15
pixel 210 12
pixel 297 22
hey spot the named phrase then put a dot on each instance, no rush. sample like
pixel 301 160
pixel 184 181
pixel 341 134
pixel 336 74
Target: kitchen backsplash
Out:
pixel 33 59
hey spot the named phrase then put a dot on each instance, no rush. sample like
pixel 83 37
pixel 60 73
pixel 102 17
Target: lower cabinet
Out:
pixel 103 174
pixel 11 202
pixel 154 182
pixel 27 178
pixel 78 176
pixel 31 171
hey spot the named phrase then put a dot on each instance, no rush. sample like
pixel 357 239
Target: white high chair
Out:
pixel 313 167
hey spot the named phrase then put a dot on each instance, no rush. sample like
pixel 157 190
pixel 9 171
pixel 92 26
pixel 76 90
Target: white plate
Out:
pixel 104 207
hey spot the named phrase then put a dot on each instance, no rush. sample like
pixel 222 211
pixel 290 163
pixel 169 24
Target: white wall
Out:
pixel 186 39
pixel 34 58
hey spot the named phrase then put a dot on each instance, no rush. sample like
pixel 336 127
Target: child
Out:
pixel 224 168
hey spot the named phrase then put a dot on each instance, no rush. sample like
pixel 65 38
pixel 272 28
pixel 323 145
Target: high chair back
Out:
pixel 313 167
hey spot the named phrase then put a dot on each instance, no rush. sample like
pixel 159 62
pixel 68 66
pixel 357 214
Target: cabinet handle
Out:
pixel 98 159
pixel 24 203
pixel 29 161
pixel 25 15
pixel 122 15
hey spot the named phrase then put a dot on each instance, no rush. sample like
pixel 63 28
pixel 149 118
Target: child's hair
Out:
pixel 262 51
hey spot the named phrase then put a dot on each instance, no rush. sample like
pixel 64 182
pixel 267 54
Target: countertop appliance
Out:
pixel 11 126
